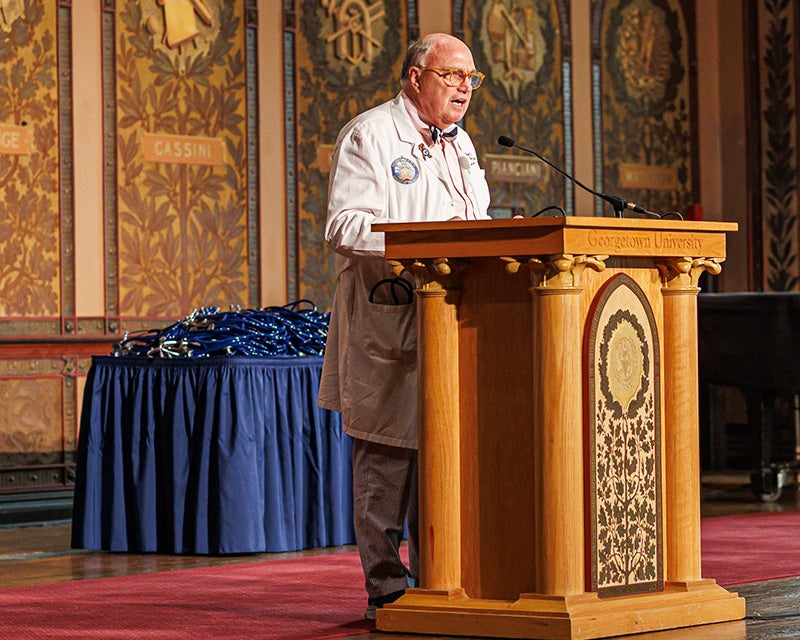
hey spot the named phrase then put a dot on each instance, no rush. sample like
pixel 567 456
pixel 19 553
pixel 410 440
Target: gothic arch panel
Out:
pixel 623 415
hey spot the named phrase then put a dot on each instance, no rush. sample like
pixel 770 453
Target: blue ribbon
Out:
pixel 267 332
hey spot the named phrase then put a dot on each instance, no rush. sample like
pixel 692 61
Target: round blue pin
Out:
pixel 404 170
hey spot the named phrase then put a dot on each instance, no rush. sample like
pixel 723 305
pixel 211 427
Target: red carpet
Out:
pixel 751 547
pixel 313 597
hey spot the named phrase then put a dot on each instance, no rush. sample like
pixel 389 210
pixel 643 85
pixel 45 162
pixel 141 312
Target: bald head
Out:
pixel 419 51
pixel 436 77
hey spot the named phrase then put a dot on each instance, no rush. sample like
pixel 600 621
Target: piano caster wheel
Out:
pixel 768 483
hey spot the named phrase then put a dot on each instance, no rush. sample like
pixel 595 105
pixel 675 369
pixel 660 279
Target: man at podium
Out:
pixel 405 160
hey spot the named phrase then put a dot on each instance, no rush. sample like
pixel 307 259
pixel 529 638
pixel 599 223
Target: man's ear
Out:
pixel 414 79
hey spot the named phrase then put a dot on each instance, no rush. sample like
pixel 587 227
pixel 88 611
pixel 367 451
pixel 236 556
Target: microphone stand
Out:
pixel 617 203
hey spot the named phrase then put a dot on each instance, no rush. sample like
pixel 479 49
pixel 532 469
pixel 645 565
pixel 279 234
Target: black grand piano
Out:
pixel 751 341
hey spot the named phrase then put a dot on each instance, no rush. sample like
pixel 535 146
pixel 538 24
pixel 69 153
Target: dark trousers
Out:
pixel 385 495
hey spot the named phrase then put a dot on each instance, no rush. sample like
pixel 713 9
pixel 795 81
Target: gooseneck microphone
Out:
pixel 616 202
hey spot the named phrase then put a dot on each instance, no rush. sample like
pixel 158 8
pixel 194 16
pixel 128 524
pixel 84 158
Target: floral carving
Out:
pixel 625 434
pixel 30 422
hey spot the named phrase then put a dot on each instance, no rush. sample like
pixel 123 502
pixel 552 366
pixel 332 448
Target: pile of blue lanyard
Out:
pixel 268 332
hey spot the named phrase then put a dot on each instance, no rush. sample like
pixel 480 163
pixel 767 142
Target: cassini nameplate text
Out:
pixel 183 149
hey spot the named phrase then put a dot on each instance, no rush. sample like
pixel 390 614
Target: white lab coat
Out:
pixel 381 173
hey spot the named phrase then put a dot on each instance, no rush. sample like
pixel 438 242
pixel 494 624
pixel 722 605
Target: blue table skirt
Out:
pixel 213 456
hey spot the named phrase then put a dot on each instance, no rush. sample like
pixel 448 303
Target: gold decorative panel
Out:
pixel 624 422
pixel 644 104
pixel 37 398
pixel 520 45
pixel 30 251
pixel 348 57
pixel 181 234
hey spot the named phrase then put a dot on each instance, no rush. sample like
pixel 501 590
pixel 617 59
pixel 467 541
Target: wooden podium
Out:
pixel 558 418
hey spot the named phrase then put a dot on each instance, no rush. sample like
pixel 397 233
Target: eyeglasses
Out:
pixel 456 77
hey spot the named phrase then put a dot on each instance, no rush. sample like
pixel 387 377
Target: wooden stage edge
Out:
pixel 581 617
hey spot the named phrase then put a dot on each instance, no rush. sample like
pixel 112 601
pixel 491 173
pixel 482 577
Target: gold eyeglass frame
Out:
pixel 447 76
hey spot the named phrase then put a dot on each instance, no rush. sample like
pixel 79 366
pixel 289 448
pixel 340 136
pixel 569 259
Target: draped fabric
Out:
pixel 210 456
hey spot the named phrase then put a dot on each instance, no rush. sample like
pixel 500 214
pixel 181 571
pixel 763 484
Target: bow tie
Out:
pixel 437 133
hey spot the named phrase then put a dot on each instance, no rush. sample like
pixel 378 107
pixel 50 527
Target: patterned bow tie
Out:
pixel 436 133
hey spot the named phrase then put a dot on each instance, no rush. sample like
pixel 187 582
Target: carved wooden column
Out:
pixel 439 445
pixel 558 422
pixel 681 418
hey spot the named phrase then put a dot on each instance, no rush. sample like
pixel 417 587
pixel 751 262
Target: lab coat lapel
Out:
pixel 419 148
pixel 466 160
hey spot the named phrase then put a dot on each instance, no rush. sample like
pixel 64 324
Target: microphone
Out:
pixel 616 202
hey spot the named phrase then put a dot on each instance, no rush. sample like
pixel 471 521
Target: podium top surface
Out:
pixel 578 235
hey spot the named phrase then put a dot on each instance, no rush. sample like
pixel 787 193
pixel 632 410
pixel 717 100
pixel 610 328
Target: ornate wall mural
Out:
pixel 30 233
pixel 775 241
pixel 622 380
pixel 521 46
pixel 643 103
pixel 181 236
pixel 347 57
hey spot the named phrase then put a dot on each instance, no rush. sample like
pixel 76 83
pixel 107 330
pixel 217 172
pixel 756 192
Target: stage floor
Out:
pixel 41 554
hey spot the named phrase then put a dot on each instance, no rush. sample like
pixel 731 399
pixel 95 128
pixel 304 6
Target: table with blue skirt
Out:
pixel 218 455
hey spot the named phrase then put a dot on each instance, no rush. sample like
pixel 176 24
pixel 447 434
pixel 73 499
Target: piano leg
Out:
pixel 796 463
pixel 767 479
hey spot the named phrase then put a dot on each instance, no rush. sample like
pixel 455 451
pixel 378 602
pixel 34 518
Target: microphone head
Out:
pixel 505 141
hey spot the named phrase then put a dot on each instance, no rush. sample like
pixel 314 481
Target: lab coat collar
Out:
pixel 406 130
pixel 409 134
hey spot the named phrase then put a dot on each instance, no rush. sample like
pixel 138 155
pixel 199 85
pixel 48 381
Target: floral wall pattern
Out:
pixel 644 120
pixel 182 229
pixel 30 264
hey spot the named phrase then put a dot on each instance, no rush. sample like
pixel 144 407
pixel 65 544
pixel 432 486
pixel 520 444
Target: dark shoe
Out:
pixel 373 604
